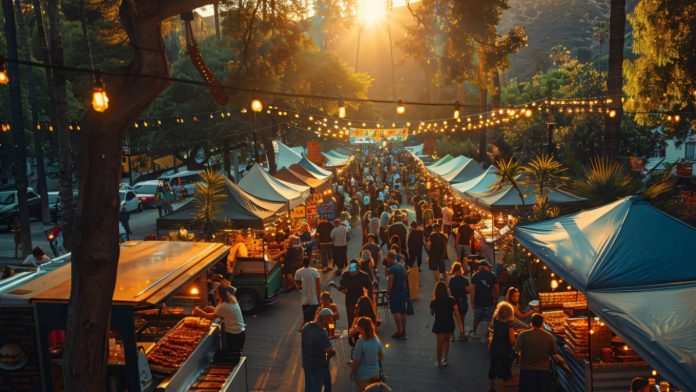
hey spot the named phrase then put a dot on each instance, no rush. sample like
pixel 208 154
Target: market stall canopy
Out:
pixel 335 159
pixel 148 272
pixel 637 267
pixel 241 208
pixel 313 168
pixel 260 184
pixel 450 165
pixel 299 178
pixel 416 150
pixel 285 156
pixel 479 184
pixel 440 161
pixel 508 197
pixel 464 172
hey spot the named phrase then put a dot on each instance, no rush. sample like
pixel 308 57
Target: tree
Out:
pixel 96 250
pixel 18 131
pixel 545 172
pixel 600 31
pixel 663 77
pixel 617 28
pixel 510 172
pixel 208 199
pixel 61 119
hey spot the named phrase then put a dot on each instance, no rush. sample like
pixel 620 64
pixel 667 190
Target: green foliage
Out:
pixel 509 172
pixel 545 172
pixel 208 198
pixel 605 181
pixel 663 77
pixel 454 146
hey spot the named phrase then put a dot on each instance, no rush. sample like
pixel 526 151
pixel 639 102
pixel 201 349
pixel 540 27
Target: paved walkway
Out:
pixel 274 350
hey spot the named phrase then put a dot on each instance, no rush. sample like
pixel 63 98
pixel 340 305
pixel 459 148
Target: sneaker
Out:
pixel 444 363
pixel 396 335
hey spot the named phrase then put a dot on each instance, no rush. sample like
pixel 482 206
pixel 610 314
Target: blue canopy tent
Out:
pixel 479 184
pixel 440 161
pixel 637 267
pixel 466 171
pixel 507 198
pixel 450 165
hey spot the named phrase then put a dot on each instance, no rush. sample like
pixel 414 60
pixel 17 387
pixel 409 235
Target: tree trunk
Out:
pixel 96 249
pixel 617 26
pixel 495 101
pixel 61 118
pixel 226 157
pixel 38 136
pixel 483 103
pixel 18 136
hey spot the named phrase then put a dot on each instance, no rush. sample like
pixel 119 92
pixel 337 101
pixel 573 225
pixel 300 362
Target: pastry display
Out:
pixel 557 299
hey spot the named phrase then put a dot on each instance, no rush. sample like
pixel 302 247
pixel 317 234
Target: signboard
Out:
pixel 19 365
pixel 314 152
pixel 298 212
pixel 377 135
pixel 312 209
pixel 429 146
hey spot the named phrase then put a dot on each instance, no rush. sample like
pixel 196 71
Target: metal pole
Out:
pixel 357 51
pixel 130 168
pixel 256 145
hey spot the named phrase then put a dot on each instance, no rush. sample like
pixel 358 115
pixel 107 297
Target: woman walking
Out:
pixel 501 342
pixel 367 355
pixel 443 307
pixel 460 288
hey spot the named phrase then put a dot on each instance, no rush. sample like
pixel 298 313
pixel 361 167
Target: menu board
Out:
pixel 19 353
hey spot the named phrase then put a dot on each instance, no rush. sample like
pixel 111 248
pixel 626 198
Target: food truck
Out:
pixel 154 345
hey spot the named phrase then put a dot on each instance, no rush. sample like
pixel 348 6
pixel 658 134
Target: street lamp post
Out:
pixel 256 107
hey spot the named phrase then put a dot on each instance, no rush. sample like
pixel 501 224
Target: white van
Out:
pixel 183 181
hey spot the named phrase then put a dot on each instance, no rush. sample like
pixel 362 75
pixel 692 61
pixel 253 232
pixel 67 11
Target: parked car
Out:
pixel 184 182
pixel 131 201
pixel 9 206
pixel 146 191
pixel 54 204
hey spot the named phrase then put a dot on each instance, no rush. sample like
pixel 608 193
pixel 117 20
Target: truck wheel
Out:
pixel 249 301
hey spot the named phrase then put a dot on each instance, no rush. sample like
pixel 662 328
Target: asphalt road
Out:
pixel 141 223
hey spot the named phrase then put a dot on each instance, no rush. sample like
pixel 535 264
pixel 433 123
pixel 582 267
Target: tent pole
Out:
pixel 589 347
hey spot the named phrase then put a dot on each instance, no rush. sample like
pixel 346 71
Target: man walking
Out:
pixel 308 282
pixel 437 249
pixel 324 229
pixel 484 295
pixel 316 352
pixel 397 291
pixel 354 284
pixel 339 235
pixel 536 348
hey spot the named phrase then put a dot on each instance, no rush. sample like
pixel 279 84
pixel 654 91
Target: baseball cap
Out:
pixel 326 312
pixel 484 263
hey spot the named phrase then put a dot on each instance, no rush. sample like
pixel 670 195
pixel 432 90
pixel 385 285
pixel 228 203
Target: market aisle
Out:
pixel 274 350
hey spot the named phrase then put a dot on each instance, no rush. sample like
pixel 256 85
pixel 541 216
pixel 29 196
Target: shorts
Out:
pixel 308 312
pixel 463 251
pixel 437 264
pixel 483 313
pixel 397 303
pixel 463 307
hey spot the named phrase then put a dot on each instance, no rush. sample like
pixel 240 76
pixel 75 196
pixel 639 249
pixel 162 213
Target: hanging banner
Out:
pixel 429 146
pixel 314 153
pixel 377 135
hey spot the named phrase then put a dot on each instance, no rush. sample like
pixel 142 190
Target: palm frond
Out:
pixel 208 199
pixel 546 171
pixel 605 181
pixel 510 172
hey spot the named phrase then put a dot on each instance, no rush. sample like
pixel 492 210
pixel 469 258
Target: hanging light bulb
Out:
pixel 256 105
pixel 554 284
pixel 341 109
pixel 400 108
pixel 457 108
pixel 100 101
pixel 4 78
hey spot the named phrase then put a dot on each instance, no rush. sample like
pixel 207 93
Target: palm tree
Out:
pixel 601 33
pixel 605 181
pixel 509 173
pixel 208 199
pixel 545 172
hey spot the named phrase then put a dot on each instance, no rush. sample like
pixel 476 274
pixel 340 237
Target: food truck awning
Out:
pixel 637 267
pixel 148 272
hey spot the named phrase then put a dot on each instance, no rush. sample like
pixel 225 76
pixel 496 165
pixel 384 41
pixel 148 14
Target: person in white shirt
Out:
pixel 307 280
pixel 230 313
pixel 36 258
pixel 238 249
pixel 340 244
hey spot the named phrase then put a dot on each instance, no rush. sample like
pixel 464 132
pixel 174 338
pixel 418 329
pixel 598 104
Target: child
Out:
pixel 326 302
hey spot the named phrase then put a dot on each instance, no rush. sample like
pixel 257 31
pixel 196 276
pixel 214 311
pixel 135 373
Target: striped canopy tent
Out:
pixel 299 178
pixel 465 172
pixel 316 170
pixel 336 159
pixel 262 185
pixel 507 198
pixel 479 184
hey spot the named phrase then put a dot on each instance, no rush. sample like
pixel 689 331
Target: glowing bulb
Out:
pixel 256 105
pixel 4 78
pixel 194 291
pixel 341 111
pixel 457 106
pixel 654 373
pixel 554 284
pixel 612 113
pixel 528 113
pixel 400 108
pixel 100 101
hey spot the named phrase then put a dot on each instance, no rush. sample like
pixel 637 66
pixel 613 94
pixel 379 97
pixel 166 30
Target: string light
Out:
pixel 400 108
pixel 457 107
pixel 100 101
pixel 4 79
pixel 256 105
pixel 341 109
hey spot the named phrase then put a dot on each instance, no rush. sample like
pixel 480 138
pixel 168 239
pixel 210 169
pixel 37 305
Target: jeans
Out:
pixel 314 381
pixel 326 250
pixel 535 381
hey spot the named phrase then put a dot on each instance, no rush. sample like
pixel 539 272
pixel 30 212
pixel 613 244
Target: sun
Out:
pixel 371 12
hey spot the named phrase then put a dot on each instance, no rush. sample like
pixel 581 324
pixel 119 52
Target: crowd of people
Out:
pixel 371 193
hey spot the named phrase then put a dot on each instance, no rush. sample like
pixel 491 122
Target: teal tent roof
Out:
pixel 440 161
pixel 508 197
pixel 316 170
pixel 479 184
pixel 464 172
pixel 637 266
pixel 450 165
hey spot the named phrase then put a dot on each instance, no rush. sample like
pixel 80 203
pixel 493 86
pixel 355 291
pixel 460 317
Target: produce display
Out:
pixel 213 378
pixel 177 345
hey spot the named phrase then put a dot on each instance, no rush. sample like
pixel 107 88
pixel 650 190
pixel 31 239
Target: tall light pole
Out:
pixel 256 107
